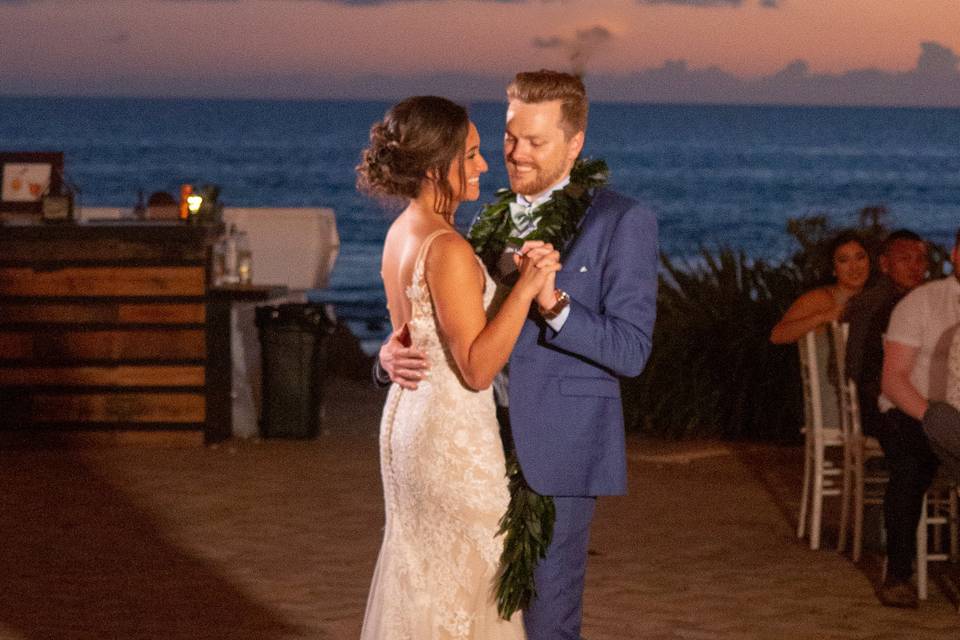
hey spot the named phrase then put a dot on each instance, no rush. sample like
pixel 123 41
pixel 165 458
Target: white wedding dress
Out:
pixel 445 490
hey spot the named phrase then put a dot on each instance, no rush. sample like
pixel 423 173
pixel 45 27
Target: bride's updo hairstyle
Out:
pixel 417 138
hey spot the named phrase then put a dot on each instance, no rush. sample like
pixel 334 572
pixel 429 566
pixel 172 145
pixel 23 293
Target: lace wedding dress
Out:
pixel 445 489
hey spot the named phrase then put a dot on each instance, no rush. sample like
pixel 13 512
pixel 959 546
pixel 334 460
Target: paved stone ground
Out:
pixel 276 540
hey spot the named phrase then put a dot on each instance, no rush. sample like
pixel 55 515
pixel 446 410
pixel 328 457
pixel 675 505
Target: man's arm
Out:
pixel 898 361
pixel 620 336
pixel 405 365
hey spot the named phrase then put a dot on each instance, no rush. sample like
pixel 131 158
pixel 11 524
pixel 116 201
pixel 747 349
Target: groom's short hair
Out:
pixel 545 85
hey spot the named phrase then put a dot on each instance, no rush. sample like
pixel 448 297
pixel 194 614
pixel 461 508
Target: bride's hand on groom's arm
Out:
pixel 406 365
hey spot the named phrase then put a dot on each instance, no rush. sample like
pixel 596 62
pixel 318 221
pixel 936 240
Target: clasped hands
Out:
pixel 537 262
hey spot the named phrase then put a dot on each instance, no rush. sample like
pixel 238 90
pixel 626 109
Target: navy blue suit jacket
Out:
pixel 565 410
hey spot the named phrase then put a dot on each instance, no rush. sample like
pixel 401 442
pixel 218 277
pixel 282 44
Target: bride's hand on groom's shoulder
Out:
pixel 405 364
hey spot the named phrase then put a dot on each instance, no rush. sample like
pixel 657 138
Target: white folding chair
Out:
pixel 822 477
pixel 938 517
pixel 863 484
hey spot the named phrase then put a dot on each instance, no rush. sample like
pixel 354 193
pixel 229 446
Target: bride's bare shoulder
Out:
pixel 448 247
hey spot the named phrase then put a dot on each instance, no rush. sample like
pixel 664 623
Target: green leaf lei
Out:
pixel 528 521
pixel 528 525
pixel 559 217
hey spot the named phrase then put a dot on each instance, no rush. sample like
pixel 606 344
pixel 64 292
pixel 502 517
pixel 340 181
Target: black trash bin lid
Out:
pixel 296 315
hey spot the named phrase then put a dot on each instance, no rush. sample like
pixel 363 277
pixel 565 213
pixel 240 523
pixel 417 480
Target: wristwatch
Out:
pixel 562 301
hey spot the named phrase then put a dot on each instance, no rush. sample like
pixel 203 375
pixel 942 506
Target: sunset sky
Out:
pixel 839 51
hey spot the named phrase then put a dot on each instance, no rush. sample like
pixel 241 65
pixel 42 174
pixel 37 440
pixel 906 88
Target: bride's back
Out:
pixel 400 251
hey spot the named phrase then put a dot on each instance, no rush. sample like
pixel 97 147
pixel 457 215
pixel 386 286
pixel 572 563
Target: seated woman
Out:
pixel 816 308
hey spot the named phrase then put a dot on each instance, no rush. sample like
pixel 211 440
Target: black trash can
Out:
pixel 294 343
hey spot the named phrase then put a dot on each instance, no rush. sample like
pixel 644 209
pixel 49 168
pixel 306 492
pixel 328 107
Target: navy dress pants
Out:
pixel 557 611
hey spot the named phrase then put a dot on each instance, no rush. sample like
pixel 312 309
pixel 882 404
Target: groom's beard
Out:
pixel 535 182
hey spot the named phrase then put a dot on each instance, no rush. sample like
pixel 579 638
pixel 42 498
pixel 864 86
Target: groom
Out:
pixel 563 392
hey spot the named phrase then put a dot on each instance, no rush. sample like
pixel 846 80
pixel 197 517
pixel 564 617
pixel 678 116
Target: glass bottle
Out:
pixel 230 272
pixel 218 267
pixel 244 258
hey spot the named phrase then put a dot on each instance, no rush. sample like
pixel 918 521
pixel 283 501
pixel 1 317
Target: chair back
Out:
pixel 849 403
pixel 821 401
pixel 810 377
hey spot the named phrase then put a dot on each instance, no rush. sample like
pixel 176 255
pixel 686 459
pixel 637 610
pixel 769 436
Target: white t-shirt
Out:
pixel 953 373
pixel 927 319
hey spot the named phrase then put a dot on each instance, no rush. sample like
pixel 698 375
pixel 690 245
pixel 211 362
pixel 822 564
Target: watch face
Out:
pixel 57 208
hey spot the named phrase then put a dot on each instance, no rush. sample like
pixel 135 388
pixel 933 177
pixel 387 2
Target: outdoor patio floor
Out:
pixel 272 540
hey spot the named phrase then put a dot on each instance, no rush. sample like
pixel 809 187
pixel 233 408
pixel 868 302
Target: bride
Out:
pixel 441 457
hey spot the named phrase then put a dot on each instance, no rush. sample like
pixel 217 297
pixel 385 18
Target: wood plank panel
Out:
pixel 16 346
pixel 132 344
pixel 103 281
pixel 117 407
pixel 37 436
pixel 141 245
pixel 120 376
pixel 163 313
pixel 107 312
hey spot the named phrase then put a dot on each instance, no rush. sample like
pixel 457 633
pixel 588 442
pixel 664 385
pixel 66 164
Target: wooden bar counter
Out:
pixel 104 329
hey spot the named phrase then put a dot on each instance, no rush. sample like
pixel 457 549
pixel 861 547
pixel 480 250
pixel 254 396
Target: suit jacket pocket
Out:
pixel 601 387
pixel 581 280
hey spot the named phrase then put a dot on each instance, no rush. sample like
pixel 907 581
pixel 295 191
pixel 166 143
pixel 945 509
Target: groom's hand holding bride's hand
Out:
pixel 538 263
pixel 405 364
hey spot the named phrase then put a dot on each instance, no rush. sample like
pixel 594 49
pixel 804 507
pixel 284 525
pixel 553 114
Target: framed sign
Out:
pixel 26 177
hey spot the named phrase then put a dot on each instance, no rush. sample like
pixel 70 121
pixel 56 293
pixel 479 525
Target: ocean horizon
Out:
pixel 716 175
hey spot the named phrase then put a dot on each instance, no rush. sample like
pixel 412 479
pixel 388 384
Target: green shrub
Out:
pixel 712 370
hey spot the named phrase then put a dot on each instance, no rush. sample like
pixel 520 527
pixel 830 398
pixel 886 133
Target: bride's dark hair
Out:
pixel 420 135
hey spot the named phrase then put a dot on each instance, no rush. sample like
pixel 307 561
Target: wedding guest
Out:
pixel 953 372
pixel 941 422
pixel 815 308
pixel 914 378
pixel 903 265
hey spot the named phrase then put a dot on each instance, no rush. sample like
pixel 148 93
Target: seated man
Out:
pixel 904 263
pixel 941 422
pixel 915 349
pixel 903 266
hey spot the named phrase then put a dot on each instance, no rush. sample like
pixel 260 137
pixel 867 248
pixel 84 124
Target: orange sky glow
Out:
pixel 47 44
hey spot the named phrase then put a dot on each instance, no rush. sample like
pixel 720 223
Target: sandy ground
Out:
pixel 273 540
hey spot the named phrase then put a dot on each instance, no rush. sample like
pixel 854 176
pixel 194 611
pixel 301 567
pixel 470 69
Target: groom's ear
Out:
pixel 575 145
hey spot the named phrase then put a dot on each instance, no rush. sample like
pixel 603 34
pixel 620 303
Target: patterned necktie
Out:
pixel 524 218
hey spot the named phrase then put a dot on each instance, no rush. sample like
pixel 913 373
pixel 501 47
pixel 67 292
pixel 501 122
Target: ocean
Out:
pixel 715 175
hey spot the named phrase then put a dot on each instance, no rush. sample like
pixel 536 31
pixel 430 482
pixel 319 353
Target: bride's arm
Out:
pixel 480 348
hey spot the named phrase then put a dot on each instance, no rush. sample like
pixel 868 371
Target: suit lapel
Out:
pixel 565 251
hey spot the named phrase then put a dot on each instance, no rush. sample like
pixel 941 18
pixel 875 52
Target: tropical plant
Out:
pixel 712 370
